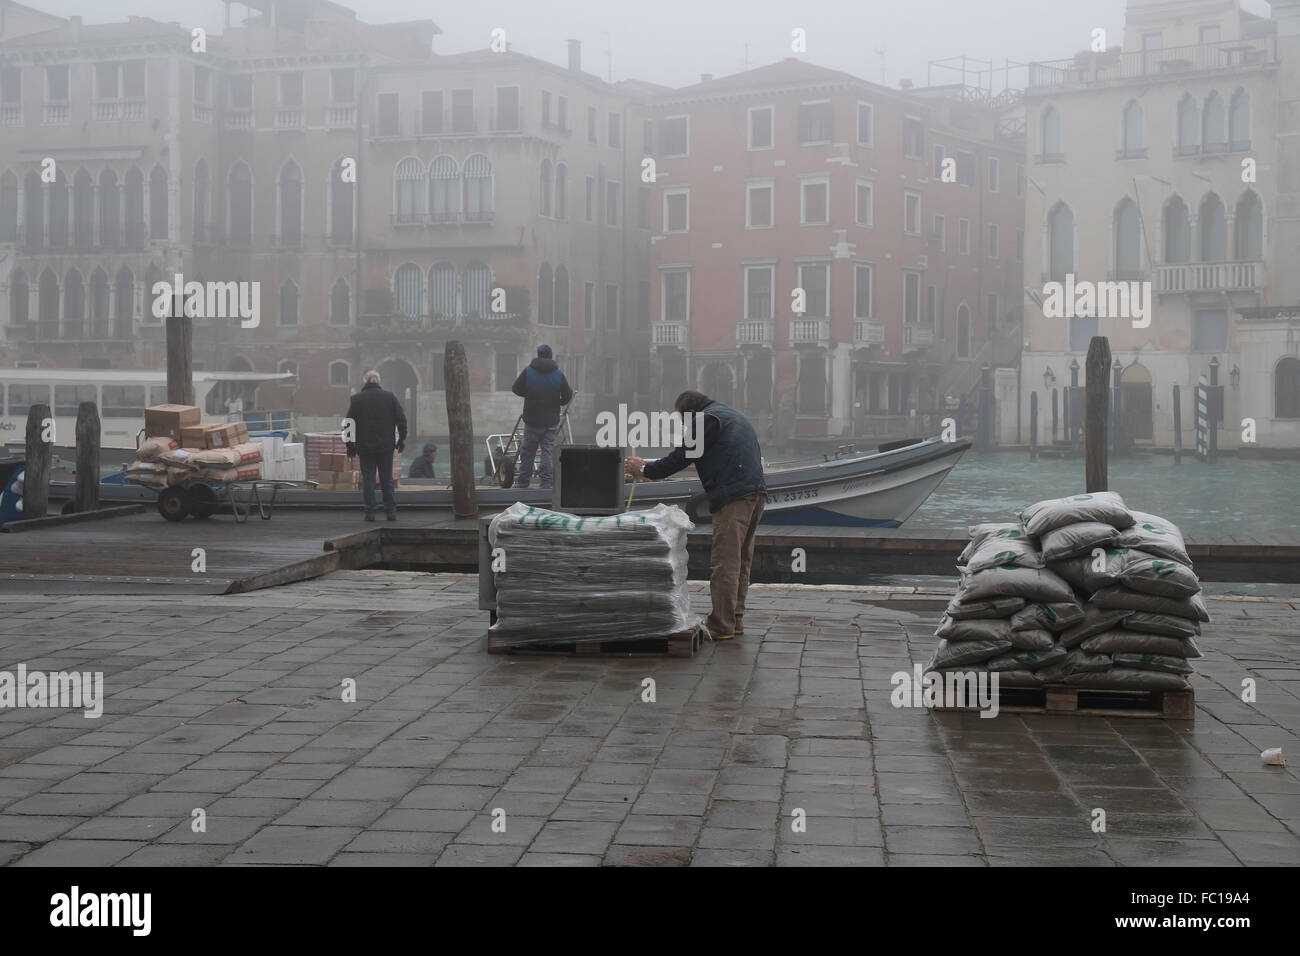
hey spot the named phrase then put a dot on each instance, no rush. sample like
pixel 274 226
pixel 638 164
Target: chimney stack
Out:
pixel 706 77
pixel 575 56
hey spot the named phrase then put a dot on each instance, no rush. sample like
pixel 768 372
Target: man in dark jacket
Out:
pixel 422 467
pixel 544 390
pixel 730 466
pixel 379 426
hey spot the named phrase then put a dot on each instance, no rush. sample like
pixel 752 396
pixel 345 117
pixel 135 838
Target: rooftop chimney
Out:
pixel 575 56
pixel 706 77
pixel 76 28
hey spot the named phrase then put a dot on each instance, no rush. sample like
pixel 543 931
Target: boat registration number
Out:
pixel 800 494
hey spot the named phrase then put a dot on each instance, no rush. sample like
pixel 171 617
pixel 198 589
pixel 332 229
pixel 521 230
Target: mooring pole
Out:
pixel 1033 426
pixel 86 497
pixel 1096 413
pixel 1056 395
pixel 36 472
pixel 1178 426
pixel 461 428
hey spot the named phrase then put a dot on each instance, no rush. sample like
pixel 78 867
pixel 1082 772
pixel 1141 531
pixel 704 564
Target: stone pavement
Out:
pixel 233 705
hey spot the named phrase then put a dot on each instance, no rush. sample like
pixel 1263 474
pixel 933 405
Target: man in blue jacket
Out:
pixel 730 466
pixel 544 390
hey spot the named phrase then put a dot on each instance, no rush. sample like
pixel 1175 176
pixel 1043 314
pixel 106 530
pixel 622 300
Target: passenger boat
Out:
pixel 876 489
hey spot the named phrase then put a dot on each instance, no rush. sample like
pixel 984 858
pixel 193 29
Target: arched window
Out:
pixel 339 373
pixel 409 202
pixel 290 204
pixel 1286 388
pixel 340 303
pixel 1132 144
pixel 1060 242
pixel 110 210
pixel 288 303
pixel 19 298
pixel 158 203
pixel 33 211
pixel 1127 240
pixel 1177 228
pixel 963 331
pixel 100 319
pixel 74 305
pixel 59 208
pixel 561 190
pixel 561 295
pixel 8 207
pixel 1214 230
pixel 444 189
pixel 152 276
pixel 1239 122
pixel 83 210
pixel 202 202
pixel 442 291
pixel 241 205
pixel 1214 124
pixel 1050 136
pixel 478 290
pixel 408 289
pixel 477 176
pixel 545 296
pixel 136 228
pixel 48 327
pixel 341 198
pixel 1189 127
pixel 1248 226
pixel 123 303
pixel 545 186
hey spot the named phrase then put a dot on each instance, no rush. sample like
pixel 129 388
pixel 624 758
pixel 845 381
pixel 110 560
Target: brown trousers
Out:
pixel 734 525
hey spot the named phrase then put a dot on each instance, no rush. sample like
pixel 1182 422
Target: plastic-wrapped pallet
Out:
pixel 588 579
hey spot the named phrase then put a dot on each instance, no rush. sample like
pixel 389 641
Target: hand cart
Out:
pixel 503 450
pixel 202 499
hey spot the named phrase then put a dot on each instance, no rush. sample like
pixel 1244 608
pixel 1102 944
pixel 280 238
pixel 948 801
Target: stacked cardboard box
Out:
pixel 214 436
pixel 168 421
pixel 327 462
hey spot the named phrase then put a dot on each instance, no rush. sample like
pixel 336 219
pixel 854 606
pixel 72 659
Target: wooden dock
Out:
pixel 136 553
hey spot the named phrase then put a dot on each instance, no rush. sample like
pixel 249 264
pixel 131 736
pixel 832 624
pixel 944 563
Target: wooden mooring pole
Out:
pixel 1033 426
pixel 1178 426
pixel 86 497
pixel 461 428
pixel 36 471
pixel 1096 413
pixel 180 359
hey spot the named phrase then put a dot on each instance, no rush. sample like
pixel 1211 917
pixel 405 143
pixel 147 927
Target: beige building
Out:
pixel 1171 162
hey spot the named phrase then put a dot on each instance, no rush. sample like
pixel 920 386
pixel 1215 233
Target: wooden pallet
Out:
pixel 1096 702
pixel 681 644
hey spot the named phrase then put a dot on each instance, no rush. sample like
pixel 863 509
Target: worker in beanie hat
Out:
pixel 545 391
pixel 422 467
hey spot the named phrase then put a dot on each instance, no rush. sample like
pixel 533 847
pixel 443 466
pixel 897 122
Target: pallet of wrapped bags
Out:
pixel 590 580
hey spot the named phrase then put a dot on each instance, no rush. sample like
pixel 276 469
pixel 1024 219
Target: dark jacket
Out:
pixel 731 465
pixel 421 468
pixel 377 414
pixel 544 389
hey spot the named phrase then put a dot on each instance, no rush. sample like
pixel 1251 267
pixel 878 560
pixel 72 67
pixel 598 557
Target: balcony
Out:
pixel 239 119
pixel 1210 277
pixel 202 113
pixel 11 114
pixel 917 337
pixel 868 332
pixel 804 331
pixel 670 334
pixel 288 117
pixel 340 117
pixel 754 332
pixel 57 114
pixel 1093 69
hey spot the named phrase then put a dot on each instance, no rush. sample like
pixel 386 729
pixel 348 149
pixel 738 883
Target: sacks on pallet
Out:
pixel 151 474
pixel 222 458
pixel 154 447
pixel 586 579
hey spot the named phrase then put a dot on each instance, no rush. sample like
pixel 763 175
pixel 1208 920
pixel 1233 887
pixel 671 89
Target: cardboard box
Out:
pixel 224 435
pixel 333 461
pixel 168 421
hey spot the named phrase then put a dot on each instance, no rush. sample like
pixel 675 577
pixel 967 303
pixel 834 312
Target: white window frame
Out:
pixel 975 168
pixel 804 183
pixel 749 128
pixel 993 241
pixel 589 306
pixel 592 207
pixel 770 186
pixel 993 174
pixel 908 194
pixel 940 155
pixel 939 228
pixel 921 123
pixel 817 263
pixel 917 275
pixel 677 191
pixel 963 237
pixel 870 141
pixel 770 269
pixel 811 142
pixel 871 293
pixel 614 208
pixel 663 292
pixel 663 122
pixel 871 202
pixel 347 370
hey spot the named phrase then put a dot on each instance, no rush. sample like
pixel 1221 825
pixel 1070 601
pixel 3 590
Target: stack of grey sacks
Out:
pixel 590 579
pixel 1080 591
